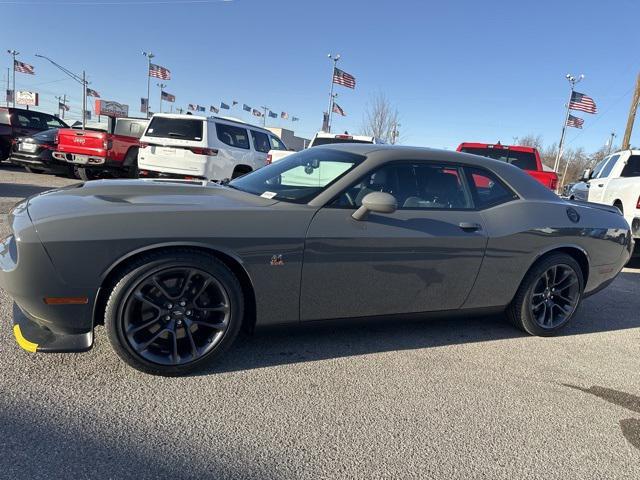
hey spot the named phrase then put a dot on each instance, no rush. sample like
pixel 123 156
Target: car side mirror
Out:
pixel 586 175
pixel 379 202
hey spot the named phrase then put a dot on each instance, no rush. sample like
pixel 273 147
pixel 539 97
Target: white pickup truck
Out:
pixel 323 138
pixel 616 181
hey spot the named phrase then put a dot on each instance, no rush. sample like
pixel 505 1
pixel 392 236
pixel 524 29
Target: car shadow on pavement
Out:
pixel 609 310
pixel 37 443
pixel 21 190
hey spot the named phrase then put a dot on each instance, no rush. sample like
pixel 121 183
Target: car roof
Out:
pixel 184 116
pixel 518 148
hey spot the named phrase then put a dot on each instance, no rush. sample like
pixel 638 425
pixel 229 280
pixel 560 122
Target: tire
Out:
pixel 86 174
pixel 131 160
pixel 619 206
pixel 174 334
pixel 32 170
pixel 525 311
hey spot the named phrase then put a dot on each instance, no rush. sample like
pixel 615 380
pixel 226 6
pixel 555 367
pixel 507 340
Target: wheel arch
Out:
pixel 230 259
pixel 128 163
pixel 618 203
pixel 578 253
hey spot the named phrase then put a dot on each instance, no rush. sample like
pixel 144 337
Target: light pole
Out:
pixel 161 85
pixel 149 56
pixel 14 54
pixel 613 135
pixel 335 59
pixel 572 81
pixel 264 116
pixel 395 133
pixel 80 79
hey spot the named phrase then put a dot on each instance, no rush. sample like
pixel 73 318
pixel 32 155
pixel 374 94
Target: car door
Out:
pixel 261 147
pixel 423 257
pixel 598 185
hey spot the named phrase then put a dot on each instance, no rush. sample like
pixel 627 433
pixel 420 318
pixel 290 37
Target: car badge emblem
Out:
pixel 276 260
pixel 79 140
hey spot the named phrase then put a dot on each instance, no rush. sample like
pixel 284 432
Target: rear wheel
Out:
pixel 131 162
pixel 173 312
pixel 86 174
pixel 548 296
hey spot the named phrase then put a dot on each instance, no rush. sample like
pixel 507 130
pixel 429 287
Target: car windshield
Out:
pixel 299 177
pixel 523 160
pixel 331 140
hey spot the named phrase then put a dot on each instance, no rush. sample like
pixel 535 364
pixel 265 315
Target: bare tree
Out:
pixel 381 119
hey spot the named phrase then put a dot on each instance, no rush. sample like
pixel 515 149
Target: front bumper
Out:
pixel 41 321
pixel 34 337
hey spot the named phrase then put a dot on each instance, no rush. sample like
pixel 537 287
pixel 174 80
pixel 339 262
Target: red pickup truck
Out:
pixel 96 152
pixel 526 158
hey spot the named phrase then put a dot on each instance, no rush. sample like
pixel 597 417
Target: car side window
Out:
pixel 233 136
pixel 416 186
pixel 276 143
pixel 260 141
pixel 487 189
pixel 609 166
pixel 632 168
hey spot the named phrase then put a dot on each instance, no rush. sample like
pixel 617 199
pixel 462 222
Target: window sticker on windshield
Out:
pixel 151 130
pixel 268 195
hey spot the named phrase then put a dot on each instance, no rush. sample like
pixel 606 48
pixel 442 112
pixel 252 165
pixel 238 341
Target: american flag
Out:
pixel 582 102
pixel 167 97
pixel 191 107
pixel 246 108
pixel 200 108
pixel 284 116
pixel 63 106
pixel 256 113
pixel 224 105
pixel 159 72
pixel 338 109
pixel 213 109
pixel 144 105
pixel 23 67
pixel 343 78
pixel 92 93
pixel 575 122
pixel 294 119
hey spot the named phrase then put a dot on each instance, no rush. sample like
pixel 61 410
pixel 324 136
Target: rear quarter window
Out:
pixel 233 136
pixel 260 141
pixel 130 128
pixel 178 128
pixel 487 189
pixel 632 168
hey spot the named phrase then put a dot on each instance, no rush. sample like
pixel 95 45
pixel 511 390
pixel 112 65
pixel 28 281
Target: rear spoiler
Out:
pixel 598 206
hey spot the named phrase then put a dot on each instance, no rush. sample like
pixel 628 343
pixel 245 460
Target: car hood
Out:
pixel 111 196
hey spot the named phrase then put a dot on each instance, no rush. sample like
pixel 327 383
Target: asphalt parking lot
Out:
pixel 464 398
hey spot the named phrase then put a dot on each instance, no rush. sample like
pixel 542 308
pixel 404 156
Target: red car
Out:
pixel 526 158
pixel 96 152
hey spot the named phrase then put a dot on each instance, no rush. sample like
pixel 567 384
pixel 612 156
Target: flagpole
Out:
pixel 330 109
pixel 161 85
pixel 14 54
pixel 84 100
pixel 149 56
pixel 572 81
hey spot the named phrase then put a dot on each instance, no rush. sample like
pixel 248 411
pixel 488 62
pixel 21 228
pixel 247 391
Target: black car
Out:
pixel 34 153
pixel 20 122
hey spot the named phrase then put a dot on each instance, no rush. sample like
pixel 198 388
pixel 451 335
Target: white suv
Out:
pixel 207 148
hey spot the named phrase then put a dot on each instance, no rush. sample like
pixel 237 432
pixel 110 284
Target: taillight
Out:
pixel 143 145
pixel 554 183
pixel 269 159
pixel 211 152
pixel 107 144
pixel 638 204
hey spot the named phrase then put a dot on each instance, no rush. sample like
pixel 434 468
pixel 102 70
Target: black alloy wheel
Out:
pixel 172 312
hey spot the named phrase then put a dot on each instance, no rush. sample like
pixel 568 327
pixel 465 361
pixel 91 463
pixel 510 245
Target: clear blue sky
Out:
pixel 457 70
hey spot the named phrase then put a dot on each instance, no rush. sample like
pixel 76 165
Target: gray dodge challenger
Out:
pixel 174 269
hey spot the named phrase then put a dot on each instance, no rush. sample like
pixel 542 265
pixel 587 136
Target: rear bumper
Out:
pixel 47 163
pixel 77 159
pixel 156 174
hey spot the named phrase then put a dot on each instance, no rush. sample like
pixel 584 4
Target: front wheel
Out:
pixel 548 296
pixel 174 311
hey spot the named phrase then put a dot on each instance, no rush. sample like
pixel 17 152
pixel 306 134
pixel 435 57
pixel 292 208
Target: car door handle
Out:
pixel 469 227
pixel 601 184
